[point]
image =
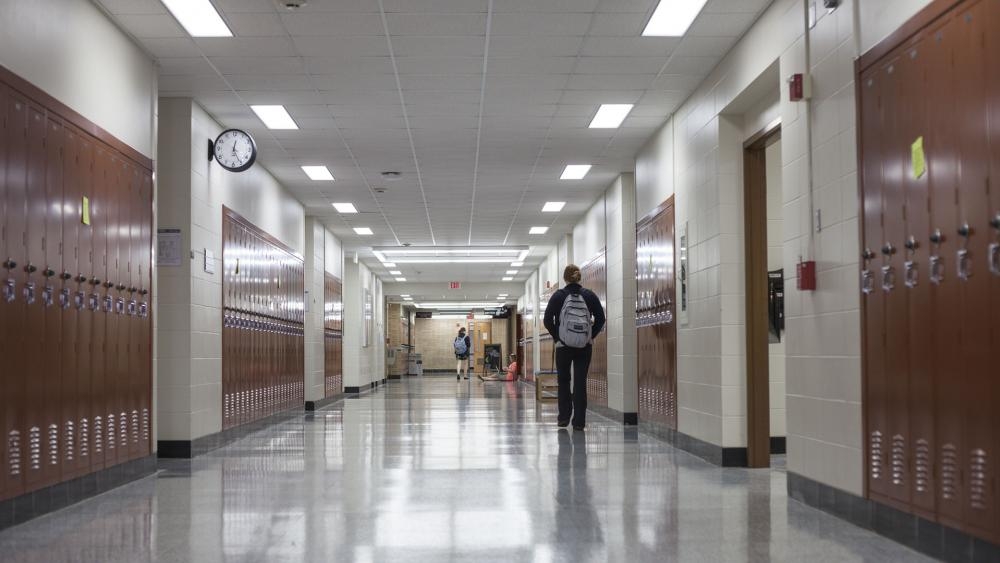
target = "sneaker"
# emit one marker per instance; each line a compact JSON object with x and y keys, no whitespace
{"x":562,"y":423}
{"x":458,"y":377}
{"x":578,"y":428}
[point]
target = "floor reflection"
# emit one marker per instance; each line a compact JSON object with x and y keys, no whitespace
{"x":431,"y":469}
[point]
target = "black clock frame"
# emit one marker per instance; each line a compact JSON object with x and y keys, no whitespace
{"x":253,"y":151}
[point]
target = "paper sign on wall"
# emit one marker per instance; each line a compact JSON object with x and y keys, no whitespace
{"x":917,"y":157}
{"x":168,"y":247}
{"x":85,"y":211}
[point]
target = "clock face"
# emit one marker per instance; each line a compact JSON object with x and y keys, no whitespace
{"x":235,"y":150}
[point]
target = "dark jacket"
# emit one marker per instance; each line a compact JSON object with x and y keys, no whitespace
{"x":552,"y":310}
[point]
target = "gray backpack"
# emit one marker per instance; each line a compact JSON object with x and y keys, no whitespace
{"x":574,"y":322}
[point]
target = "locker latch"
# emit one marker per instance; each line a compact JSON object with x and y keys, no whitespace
{"x":64,"y":298}
{"x":962,"y":262}
{"x":120,"y":306}
{"x":888,"y":271}
{"x":78,"y":300}
{"x":993,"y":254}
{"x":911,"y":273}
{"x":867,"y":276}
{"x":47,"y":293}
{"x":107,"y":304}
{"x":132,"y":308}
{"x":29,"y":293}
{"x":94,"y":302}
{"x":936,"y":263}
{"x":143,"y":310}
{"x":9,"y":291}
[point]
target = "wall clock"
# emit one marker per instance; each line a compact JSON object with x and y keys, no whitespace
{"x":234,"y":149}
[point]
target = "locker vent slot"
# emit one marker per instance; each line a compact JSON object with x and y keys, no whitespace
{"x":70,"y":440}
{"x":949,"y":472}
{"x":35,"y":447}
{"x":145,"y":425}
{"x":978,"y":484}
{"x":123,"y":430}
{"x":84,"y":437}
{"x":98,"y":435}
{"x":135,"y":426}
{"x":111,"y":431}
{"x":898,"y":459}
{"x":53,"y":444}
{"x":14,"y":452}
{"x":876,"y":455}
{"x":922,"y":466}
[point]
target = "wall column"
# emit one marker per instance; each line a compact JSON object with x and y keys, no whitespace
{"x":623,"y":385}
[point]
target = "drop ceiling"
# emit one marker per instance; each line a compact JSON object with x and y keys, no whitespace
{"x":479,"y":104}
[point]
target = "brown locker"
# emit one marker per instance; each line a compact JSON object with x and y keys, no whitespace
{"x":98,"y":307}
{"x":973,"y":236}
{"x":53,"y":396}
{"x":35,"y":423}
{"x":873,"y":314}
{"x":128,"y":353}
{"x":992,"y":229}
{"x":912,"y":69}
{"x":67,"y":286}
{"x":112,"y":335}
{"x":595,"y":279}
{"x":145,"y":314}
{"x":85,"y":169}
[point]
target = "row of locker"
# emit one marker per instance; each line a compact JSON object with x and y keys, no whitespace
{"x":75,"y":327}
{"x":263,"y":342}
{"x":595,"y":278}
{"x":656,"y":332}
{"x":930,"y":278}
{"x":333,"y":335}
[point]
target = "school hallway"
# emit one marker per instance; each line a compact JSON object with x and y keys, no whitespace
{"x":430,"y":469}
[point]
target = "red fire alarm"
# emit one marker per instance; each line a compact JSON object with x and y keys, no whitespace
{"x":799,"y":87}
{"x":806,"y":276}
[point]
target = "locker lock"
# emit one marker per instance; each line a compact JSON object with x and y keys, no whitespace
{"x":9,"y":264}
{"x":911,"y":243}
{"x":133,"y":289}
{"x":48,"y":272}
{"x":868,"y":254}
{"x":120,"y":287}
{"x":109,"y":284}
{"x":80,"y":278}
{"x":65,"y":276}
{"x":30,"y":268}
{"x":888,"y":249}
{"x":937,"y":237}
{"x":95,"y":281}
{"x":143,"y":291}
{"x":965,"y":230}
{"x":995,"y":223}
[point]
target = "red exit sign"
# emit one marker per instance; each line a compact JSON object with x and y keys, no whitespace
{"x":454,"y":285}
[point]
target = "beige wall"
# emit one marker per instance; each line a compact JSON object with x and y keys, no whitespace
{"x":433,"y":339}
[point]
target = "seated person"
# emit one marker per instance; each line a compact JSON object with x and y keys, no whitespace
{"x":511,"y":374}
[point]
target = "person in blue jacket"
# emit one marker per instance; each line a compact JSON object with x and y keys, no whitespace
{"x":574,"y":317}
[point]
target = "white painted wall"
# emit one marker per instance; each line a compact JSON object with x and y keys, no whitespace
{"x":334,"y":255}
{"x":879,"y":18}
{"x":590,"y":234}
{"x":194,"y":193}
{"x":775,"y":254}
{"x":362,"y":365}
{"x":315,"y":353}
{"x":623,"y":388}
{"x":72,"y":51}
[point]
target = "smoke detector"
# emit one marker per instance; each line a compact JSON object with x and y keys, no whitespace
{"x":291,"y":4}
{"x":391,"y":176}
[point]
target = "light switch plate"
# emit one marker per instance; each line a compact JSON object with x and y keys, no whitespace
{"x":209,"y":261}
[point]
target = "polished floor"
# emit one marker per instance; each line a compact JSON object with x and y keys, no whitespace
{"x":436,"y":470}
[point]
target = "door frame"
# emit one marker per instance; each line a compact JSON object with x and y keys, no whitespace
{"x":758,"y":380}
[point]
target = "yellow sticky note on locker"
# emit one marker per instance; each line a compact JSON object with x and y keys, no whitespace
{"x":85,"y":211}
{"x":917,"y":157}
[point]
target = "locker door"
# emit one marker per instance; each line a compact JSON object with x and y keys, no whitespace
{"x":34,"y":329}
{"x":99,"y":380}
{"x":54,"y":395}
{"x":974,"y":237}
{"x":11,"y":299}
{"x":877,"y":439}
{"x":911,"y":70}
{"x":84,"y":166}
{"x":6,"y":419}
{"x":227,"y":270}
{"x":113,"y":402}
{"x":69,"y":364}
{"x":128,"y":318}
{"x":145,"y":313}
{"x":993,"y":230}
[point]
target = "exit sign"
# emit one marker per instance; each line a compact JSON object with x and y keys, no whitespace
{"x":454,"y":285}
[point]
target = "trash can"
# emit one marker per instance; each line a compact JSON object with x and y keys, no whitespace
{"x":415,"y":364}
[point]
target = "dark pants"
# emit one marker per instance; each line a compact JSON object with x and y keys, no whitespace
{"x":575,"y":361}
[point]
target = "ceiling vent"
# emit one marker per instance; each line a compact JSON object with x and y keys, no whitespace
{"x":391,"y":176}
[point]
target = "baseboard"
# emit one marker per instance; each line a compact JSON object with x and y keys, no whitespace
{"x":360,"y":389}
{"x":778,"y":445}
{"x":186,"y":449}
{"x":49,"y":499}
{"x":712,"y":453}
{"x":625,"y":418}
{"x":312,"y":406}
{"x":913,"y":531}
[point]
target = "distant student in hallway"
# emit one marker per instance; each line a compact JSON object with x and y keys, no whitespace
{"x":574,"y":317}
{"x":462,"y":346}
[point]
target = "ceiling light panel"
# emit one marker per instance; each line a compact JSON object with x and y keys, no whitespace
{"x":345,"y":207}
{"x":610,"y":116}
{"x":363,"y":231}
{"x":199,"y":18}
{"x":538,"y":230}
{"x":511,"y":272}
{"x":575,"y":172}
{"x":507,"y":279}
{"x":395,"y":273}
{"x":275,"y":117}
{"x":318,"y":173}
{"x":553,"y":206}
{"x":401,"y":279}
{"x":672,"y":18}
{"x":517,"y":264}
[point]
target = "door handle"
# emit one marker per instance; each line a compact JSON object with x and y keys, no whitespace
{"x":963,"y":264}
{"x":911,"y":274}
{"x":888,"y":278}
{"x":993,"y":255}
{"x":9,"y":291}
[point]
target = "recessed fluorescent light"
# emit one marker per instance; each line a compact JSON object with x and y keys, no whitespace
{"x":507,"y":279}
{"x":318,"y":173}
{"x":511,"y":272}
{"x":363,"y":231}
{"x":553,"y":206}
{"x":400,"y":279}
{"x":199,"y":18}
{"x":538,"y":230}
{"x":388,"y":264}
{"x":517,"y":264}
{"x":345,"y":207}
{"x":405,"y":295}
{"x":396,"y":273}
{"x":672,"y":18}
{"x":275,"y":117}
{"x":575,"y":172}
{"x":610,"y":116}
{"x":407,"y":299}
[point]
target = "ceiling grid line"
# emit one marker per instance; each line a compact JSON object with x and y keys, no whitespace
{"x":406,"y":118}
{"x":482,"y":103}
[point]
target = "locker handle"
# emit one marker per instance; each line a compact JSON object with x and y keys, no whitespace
{"x":994,"y":258}
{"x":963,"y":264}
{"x":65,"y":276}
{"x":48,"y":272}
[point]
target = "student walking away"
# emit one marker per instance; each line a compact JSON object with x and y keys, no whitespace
{"x":574,"y":317}
{"x":462,"y":346}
